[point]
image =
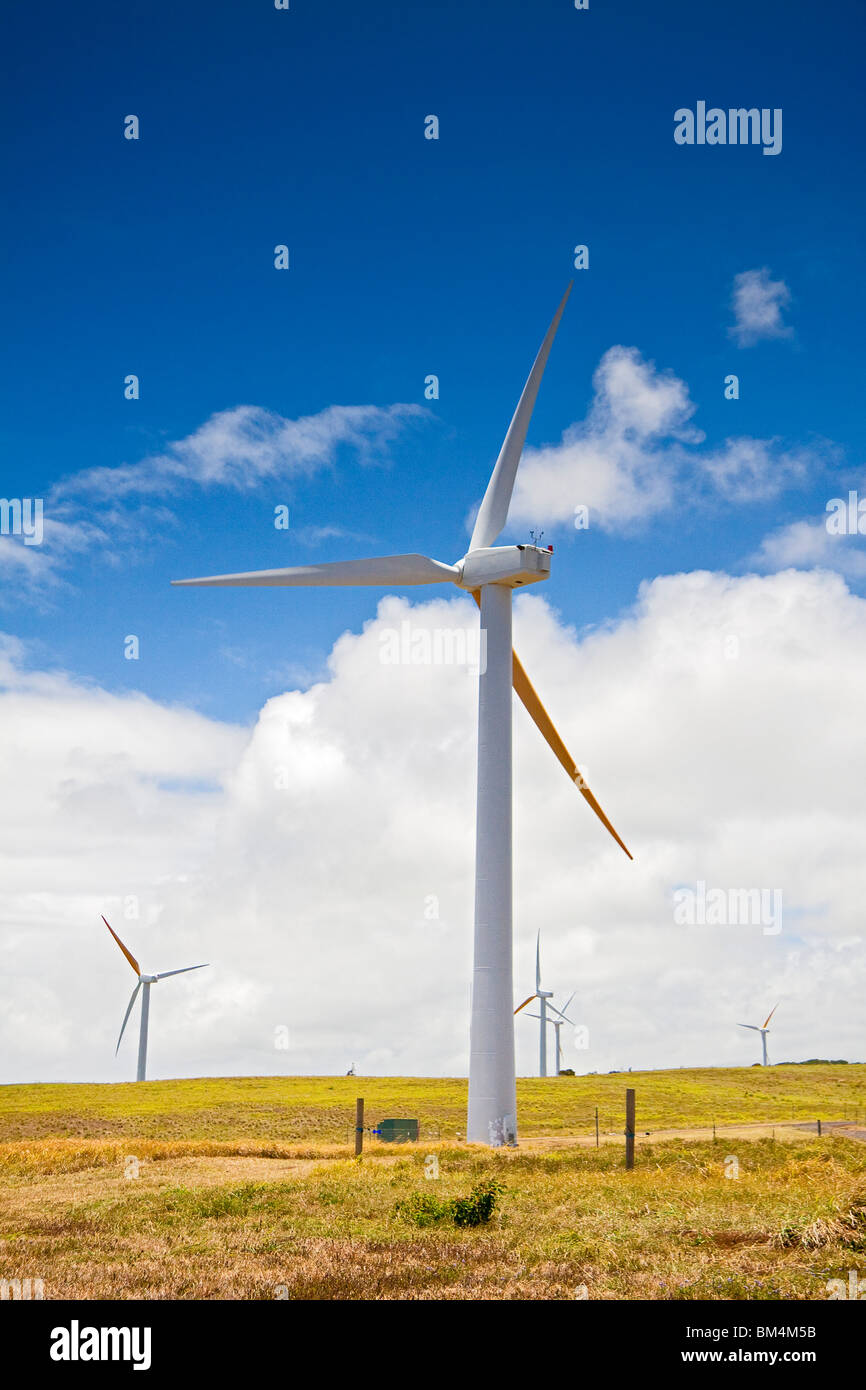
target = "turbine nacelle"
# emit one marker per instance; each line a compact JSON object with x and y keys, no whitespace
{"x":511,"y":565}
{"x":148,"y":979}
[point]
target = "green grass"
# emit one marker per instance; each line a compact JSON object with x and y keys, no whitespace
{"x":244,"y":1188}
{"x":567,"y":1223}
{"x":322,"y":1108}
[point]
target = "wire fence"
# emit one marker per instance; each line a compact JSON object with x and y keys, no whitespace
{"x":607,"y":1126}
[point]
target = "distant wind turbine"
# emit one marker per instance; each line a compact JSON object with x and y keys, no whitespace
{"x":144,"y":984}
{"x":542,"y":995}
{"x":763,"y":1030}
{"x":490,"y":573}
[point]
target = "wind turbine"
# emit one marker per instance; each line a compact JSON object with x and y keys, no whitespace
{"x":557,"y":1026}
{"x":763,"y":1030}
{"x":489,"y":573}
{"x":144,"y":984}
{"x":542,"y":995}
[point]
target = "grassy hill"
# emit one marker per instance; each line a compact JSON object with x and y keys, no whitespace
{"x":244,"y":1188}
{"x":303,"y":1108}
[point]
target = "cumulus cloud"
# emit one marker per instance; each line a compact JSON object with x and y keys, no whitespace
{"x":323,"y":860}
{"x":612,"y":462}
{"x":637,"y":447}
{"x":758,"y":303}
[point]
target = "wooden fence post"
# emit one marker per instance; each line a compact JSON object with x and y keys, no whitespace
{"x":359,"y":1126}
{"x":629,"y":1129}
{"x":596,"y":1126}
{"x":819,"y":1129}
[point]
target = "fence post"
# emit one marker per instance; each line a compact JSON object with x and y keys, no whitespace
{"x":629,"y":1129}
{"x":596,"y":1126}
{"x":819,"y":1129}
{"x":359,"y":1126}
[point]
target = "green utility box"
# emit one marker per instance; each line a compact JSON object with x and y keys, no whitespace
{"x":398,"y":1131}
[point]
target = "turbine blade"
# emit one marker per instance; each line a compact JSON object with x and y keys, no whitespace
{"x":126,"y":1015}
{"x":164,"y":974}
{"x":770,"y":1014}
{"x":754,"y":1027}
{"x":527,"y":694}
{"x":379,"y":569}
{"x":493,"y":511}
{"x":566,"y":1004}
{"x":129,"y":956}
{"x":538,"y":961}
{"x":555,"y":1010}
{"x":524,"y":1004}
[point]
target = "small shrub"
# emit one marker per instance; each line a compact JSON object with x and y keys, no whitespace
{"x":475,"y":1210}
{"x":478,"y":1207}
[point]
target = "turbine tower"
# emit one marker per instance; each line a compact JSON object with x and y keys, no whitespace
{"x":542,"y":995}
{"x":557,"y":1027}
{"x":763,"y":1030}
{"x":490,"y":573}
{"x":144,"y":984}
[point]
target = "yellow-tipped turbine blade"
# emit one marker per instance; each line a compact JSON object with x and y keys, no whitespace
{"x":526,"y":692}
{"x":524,"y":1004}
{"x":770,"y":1014}
{"x":129,"y":956}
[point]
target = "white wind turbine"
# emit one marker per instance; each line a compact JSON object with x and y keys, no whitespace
{"x":144,"y":984}
{"x":542,"y":995}
{"x":557,"y":1028}
{"x":763,"y":1030}
{"x":489,"y":573}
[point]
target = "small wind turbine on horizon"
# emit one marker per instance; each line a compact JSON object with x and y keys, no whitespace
{"x":763,"y":1030}
{"x":543,"y":995}
{"x":144,"y":984}
{"x":490,"y":574}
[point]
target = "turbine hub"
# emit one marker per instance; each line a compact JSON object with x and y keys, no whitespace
{"x":148,"y":979}
{"x":514,"y":566}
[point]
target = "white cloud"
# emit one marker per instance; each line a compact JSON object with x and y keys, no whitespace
{"x":747,"y":470}
{"x":758,"y":303}
{"x":245,"y":446}
{"x":98,"y":510}
{"x":34,"y":569}
{"x":807,"y":544}
{"x":637,"y":448}
{"x":301,"y":857}
{"x":614,"y":462}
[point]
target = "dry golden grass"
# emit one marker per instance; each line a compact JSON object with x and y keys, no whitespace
{"x":250,"y":1221}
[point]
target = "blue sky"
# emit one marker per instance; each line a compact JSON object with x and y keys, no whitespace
{"x":408,"y":257}
{"x":259,"y":789}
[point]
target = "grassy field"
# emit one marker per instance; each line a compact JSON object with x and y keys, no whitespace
{"x":321,"y":1108}
{"x":244,"y":1189}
